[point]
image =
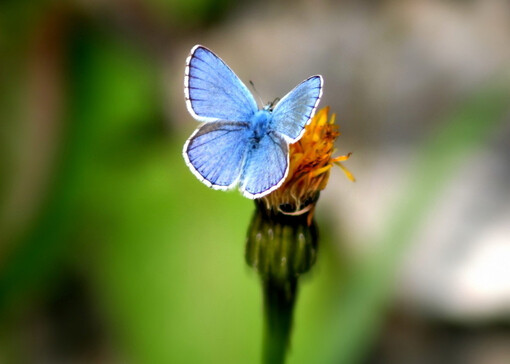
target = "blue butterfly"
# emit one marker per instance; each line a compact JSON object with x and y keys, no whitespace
{"x":238,"y":144}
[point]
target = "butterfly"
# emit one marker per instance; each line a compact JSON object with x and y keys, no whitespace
{"x":240,"y":144}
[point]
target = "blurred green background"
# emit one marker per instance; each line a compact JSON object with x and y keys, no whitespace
{"x":111,"y":250}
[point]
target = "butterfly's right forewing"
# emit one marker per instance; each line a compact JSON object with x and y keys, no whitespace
{"x":295,"y":110}
{"x":213,"y":91}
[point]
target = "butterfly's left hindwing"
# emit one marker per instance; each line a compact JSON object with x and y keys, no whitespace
{"x":213,"y":91}
{"x":216,"y":151}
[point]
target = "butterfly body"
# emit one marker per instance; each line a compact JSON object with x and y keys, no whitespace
{"x":240,"y":144}
{"x":260,"y":124}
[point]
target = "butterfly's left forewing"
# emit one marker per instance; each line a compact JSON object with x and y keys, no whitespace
{"x":295,"y":110}
{"x":213,"y":91}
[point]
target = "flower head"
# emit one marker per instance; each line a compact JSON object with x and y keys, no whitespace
{"x":310,"y":164}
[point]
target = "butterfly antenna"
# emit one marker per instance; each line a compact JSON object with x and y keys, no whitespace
{"x":275,"y":101}
{"x":256,"y":92}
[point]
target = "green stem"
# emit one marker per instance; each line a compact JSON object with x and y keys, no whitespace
{"x":279,"y":300}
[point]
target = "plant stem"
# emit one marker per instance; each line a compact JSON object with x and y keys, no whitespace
{"x":279,"y":300}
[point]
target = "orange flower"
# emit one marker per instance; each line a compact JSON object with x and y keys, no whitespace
{"x":310,"y":164}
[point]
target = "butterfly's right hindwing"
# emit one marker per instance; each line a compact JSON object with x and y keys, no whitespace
{"x":215,"y":153}
{"x":266,"y":167}
{"x":213,"y":91}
